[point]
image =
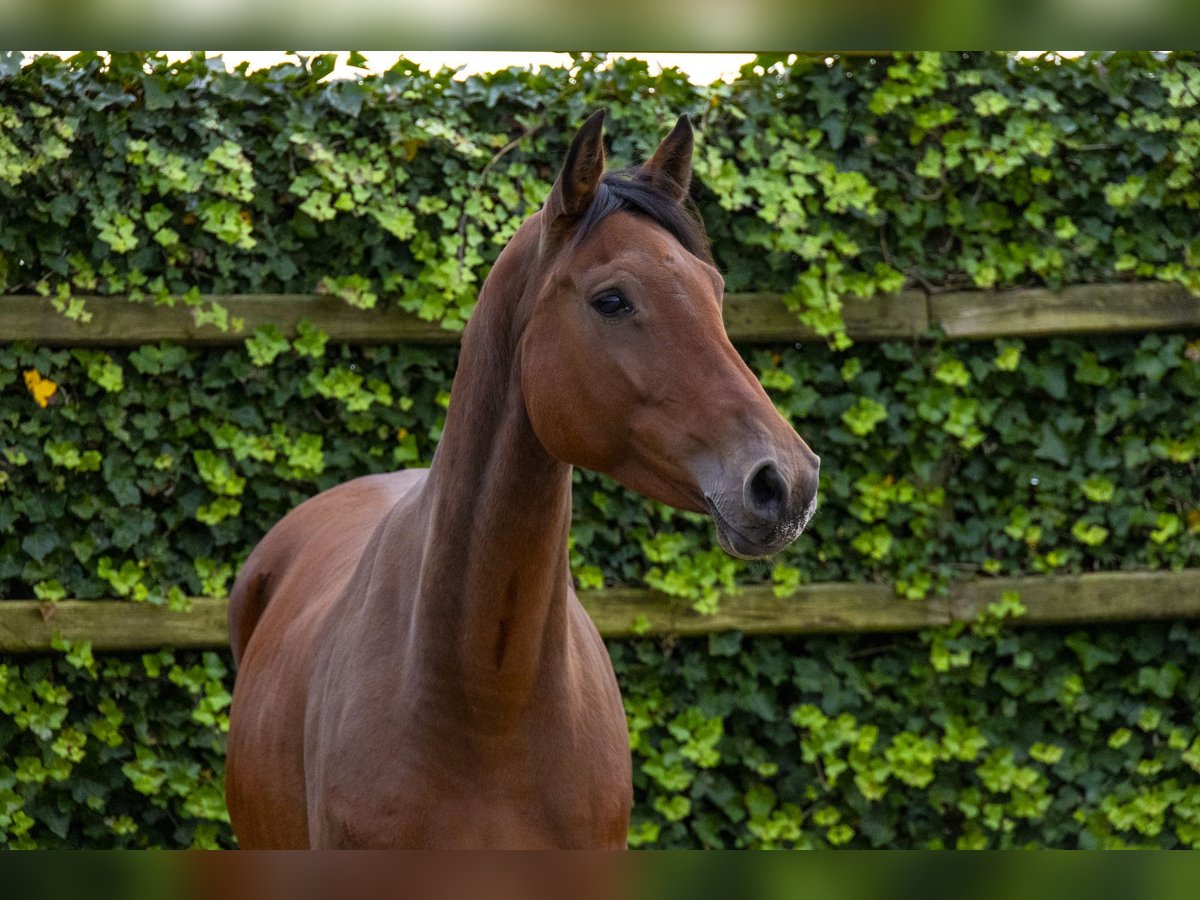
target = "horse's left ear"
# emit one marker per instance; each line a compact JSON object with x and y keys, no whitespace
{"x":670,"y":168}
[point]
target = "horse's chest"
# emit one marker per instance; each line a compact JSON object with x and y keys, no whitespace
{"x":556,"y":776}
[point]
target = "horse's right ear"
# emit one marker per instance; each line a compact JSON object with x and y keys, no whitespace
{"x":580,"y":177}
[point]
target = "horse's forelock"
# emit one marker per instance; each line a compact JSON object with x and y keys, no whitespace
{"x":623,"y":190}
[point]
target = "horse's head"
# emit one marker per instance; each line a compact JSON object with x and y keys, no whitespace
{"x":624,"y":362}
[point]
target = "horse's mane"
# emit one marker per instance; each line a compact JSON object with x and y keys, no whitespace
{"x":622,"y":189}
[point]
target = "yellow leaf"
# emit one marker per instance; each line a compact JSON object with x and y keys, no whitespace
{"x":41,"y":388}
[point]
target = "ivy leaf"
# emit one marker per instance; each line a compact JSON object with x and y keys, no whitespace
{"x":1052,"y":446}
{"x":322,"y":64}
{"x":10,"y":62}
{"x":265,"y":345}
{"x":347,"y":97}
{"x":156,"y":95}
{"x":41,"y":542}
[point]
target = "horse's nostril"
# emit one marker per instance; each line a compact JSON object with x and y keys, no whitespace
{"x":766,"y":491}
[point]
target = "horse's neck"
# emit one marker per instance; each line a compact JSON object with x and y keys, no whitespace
{"x":494,"y":577}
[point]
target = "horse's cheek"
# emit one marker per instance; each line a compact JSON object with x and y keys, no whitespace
{"x":564,"y":402}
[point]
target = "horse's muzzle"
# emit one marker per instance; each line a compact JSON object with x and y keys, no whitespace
{"x":771,"y":509}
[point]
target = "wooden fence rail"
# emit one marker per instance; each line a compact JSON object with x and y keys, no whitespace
{"x":31,"y":626}
{"x":749,"y":318}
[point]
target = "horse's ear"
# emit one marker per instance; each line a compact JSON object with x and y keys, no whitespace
{"x":580,"y":176}
{"x":670,"y":168}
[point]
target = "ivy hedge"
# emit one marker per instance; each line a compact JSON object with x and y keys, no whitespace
{"x":149,"y":473}
{"x":820,"y":179}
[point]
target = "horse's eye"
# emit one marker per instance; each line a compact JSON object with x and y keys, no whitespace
{"x":612,"y":305}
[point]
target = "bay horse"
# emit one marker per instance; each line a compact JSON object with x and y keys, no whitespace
{"x":414,"y":668}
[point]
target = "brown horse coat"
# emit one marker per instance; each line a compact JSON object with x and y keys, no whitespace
{"x":414,"y":667}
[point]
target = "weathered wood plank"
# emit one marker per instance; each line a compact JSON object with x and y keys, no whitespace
{"x":763,"y":318}
{"x":31,"y":625}
{"x":1094,"y":597}
{"x":836,"y":608}
{"x":750,"y":318}
{"x":1078,"y":309}
{"x":813,"y":609}
{"x":117,"y":322}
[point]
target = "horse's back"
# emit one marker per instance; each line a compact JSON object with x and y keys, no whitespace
{"x":287,"y":587}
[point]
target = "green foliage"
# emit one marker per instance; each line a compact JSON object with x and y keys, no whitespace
{"x":974,"y":468}
{"x":1026,"y":740}
{"x":148,"y":487}
{"x":983,"y":468}
{"x":1086,"y":738}
{"x":117,"y":752}
{"x":149,"y":473}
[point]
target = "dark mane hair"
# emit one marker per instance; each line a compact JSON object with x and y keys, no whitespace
{"x":621,"y":189}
